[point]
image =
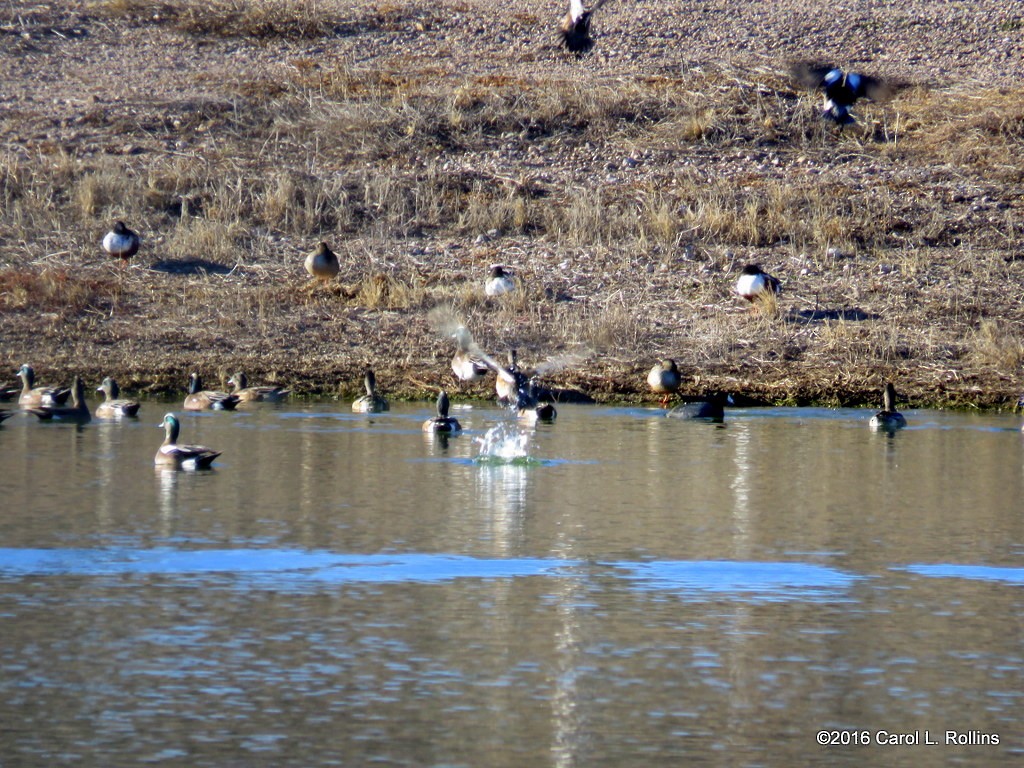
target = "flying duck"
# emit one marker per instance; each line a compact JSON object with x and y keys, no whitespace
{"x":888,"y":417}
{"x":170,"y":454}
{"x":575,"y":28}
{"x":841,"y":89}
{"x":322,"y":264}
{"x":442,"y":423}
{"x":113,"y":406}
{"x":121,"y":242}
{"x":754,"y":282}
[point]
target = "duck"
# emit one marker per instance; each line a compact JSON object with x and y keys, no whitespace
{"x":754,"y":283}
{"x":442,"y":423}
{"x":113,"y":406}
{"x":508,"y":388}
{"x":35,"y":397}
{"x":199,"y":399}
{"x":711,"y":409}
{"x":575,"y":27}
{"x":322,"y":264}
{"x":888,"y":417}
{"x":170,"y":454}
{"x":841,"y":89}
{"x":530,"y":409}
{"x":121,"y":242}
{"x":664,"y":379}
{"x":78,"y":411}
{"x":371,"y":402}
{"x":261,"y":394}
{"x":499,"y":282}
{"x":467,"y":365}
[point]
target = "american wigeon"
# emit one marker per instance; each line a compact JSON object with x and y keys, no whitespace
{"x":508,"y":388}
{"x":371,"y":402}
{"x":467,"y":363}
{"x":35,"y":397}
{"x":575,"y":27}
{"x":499,"y":282}
{"x":257,"y":394}
{"x":754,"y":283}
{"x":77,"y":412}
{"x":322,"y":264}
{"x":121,"y":242}
{"x":113,"y":405}
{"x":841,"y":89}
{"x":170,"y":454}
{"x":442,"y":423}
{"x":888,"y":417}
{"x":710,"y":409}
{"x":199,"y":399}
{"x":664,"y":379}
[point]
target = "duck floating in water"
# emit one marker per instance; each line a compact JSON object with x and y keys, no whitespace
{"x":77,"y":412}
{"x":499,"y":282}
{"x":575,"y":28}
{"x":664,"y":379}
{"x":710,"y":409}
{"x":121,"y":242}
{"x":35,"y":397}
{"x":888,"y":417}
{"x":841,"y":89}
{"x":257,"y":394}
{"x":442,"y":423}
{"x":322,"y":264}
{"x":371,"y":402}
{"x":754,"y":283}
{"x":171,"y":454}
{"x":113,"y":405}
{"x":199,"y":399}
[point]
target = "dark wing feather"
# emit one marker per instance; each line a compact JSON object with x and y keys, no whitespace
{"x":809,"y":74}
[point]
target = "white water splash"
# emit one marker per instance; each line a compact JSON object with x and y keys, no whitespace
{"x":504,"y":443}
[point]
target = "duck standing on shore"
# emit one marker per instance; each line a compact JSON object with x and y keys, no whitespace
{"x":754,"y":283}
{"x":322,"y":264}
{"x":121,"y":242}
{"x":664,"y":379}
{"x":499,"y":282}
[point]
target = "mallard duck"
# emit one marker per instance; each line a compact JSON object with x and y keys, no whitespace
{"x":170,"y":454}
{"x":35,"y":397}
{"x":575,"y":28}
{"x":842,"y":89}
{"x":371,"y":402}
{"x":322,"y":264}
{"x":888,"y":417}
{"x":113,"y":406}
{"x":710,"y":409}
{"x":499,"y":282}
{"x":246,"y":394}
{"x":78,"y":411}
{"x":199,"y":399}
{"x":754,"y":282}
{"x":664,"y":379}
{"x":442,"y":423}
{"x":121,"y":242}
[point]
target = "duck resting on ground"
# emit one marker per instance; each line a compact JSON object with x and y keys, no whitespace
{"x":121,"y":242}
{"x":499,"y":282}
{"x":754,"y":283}
{"x":664,"y":379}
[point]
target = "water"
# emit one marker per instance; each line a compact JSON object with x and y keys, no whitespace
{"x":614,"y":589}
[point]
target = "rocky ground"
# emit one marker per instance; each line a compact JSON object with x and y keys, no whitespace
{"x":425,"y":141}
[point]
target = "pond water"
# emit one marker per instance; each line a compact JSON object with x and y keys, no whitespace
{"x":342,"y":589}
